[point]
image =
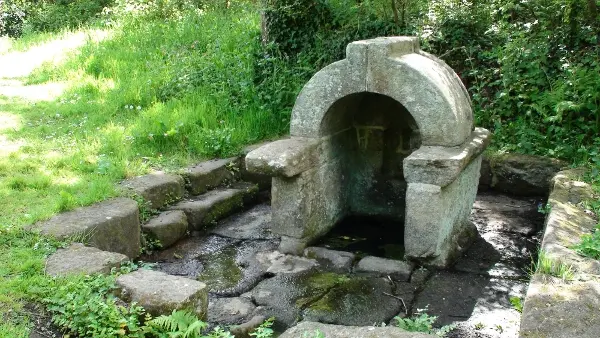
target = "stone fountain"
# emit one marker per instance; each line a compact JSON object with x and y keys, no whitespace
{"x":386,"y":132}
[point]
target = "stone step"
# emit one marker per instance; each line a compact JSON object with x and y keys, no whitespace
{"x":158,"y":188}
{"x":205,"y":209}
{"x":81,"y":259}
{"x":112,"y":225}
{"x":168,"y":227}
{"x":208,"y":175}
{"x":160,"y":294}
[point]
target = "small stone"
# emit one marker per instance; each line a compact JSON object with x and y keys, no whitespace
{"x":160,"y":294}
{"x":205,"y":209}
{"x":227,"y":311}
{"x":276,"y":262}
{"x":112,"y":225}
{"x":168,"y":227}
{"x":210,"y":174}
{"x":397,"y":270}
{"x":244,"y":330}
{"x":337,"y":261}
{"x":80,"y":259}
{"x":158,"y":188}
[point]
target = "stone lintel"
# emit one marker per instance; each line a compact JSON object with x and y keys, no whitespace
{"x":441,"y":165}
{"x":286,"y":158}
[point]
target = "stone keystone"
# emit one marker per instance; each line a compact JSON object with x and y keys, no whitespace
{"x":160,"y":293}
{"x":112,"y":225}
{"x":80,"y":259}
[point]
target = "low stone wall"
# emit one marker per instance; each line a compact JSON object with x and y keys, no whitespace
{"x":555,"y":307}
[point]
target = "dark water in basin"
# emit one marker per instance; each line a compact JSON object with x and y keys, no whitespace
{"x":367,"y":236}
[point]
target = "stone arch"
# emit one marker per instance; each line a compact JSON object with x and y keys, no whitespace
{"x":394,"y":67}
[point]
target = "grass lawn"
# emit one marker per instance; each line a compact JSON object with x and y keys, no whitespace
{"x":81,"y":110}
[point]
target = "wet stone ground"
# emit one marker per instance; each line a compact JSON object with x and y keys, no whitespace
{"x":236,"y":259}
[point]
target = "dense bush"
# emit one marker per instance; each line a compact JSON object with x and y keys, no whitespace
{"x":22,"y":16}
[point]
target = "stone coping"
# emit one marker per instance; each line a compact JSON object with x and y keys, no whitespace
{"x":555,"y":307}
{"x":441,"y":165}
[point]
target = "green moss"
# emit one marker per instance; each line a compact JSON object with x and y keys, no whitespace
{"x":336,"y":299}
{"x":221,"y":272}
{"x":317,"y":284}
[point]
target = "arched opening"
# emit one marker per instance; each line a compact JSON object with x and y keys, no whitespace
{"x":370,"y":135}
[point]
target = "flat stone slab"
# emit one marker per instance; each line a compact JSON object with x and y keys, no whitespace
{"x":356,"y":301}
{"x":160,"y":293}
{"x":502,"y":213}
{"x":168,"y":227}
{"x":252,"y":224}
{"x":331,"y":260}
{"x":310,"y":329}
{"x":206,"y":209}
{"x":112,"y":225}
{"x":210,"y":174}
{"x":442,"y":165}
{"x":397,"y":270}
{"x":228,"y":311}
{"x":158,"y":188}
{"x":80,"y":259}
{"x":561,"y":310}
{"x":287,"y":158}
{"x":566,"y":223}
{"x":286,"y":295}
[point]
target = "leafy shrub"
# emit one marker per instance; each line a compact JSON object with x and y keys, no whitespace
{"x":86,"y":306}
{"x":422,"y":322}
{"x":12,"y":16}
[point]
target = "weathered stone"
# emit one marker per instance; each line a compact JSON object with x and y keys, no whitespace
{"x":204,"y":210}
{"x":442,"y":165}
{"x":524,"y":175}
{"x":160,"y":294}
{"x":252,"y":224}
{"x":263,"y":181}
{"x":158,"y":188}
{"x":210,"y":174}
{"x":168,"y":227}
{"x":566,"y":223}
{"x":573,"y":307}
{"x":276,"y":263}
{"x":80,"y":259}
{"x":285,"y":295}
{"x":435,"y":239}
{"x":112,"y":225}
{"x":228,"y":311}
{"x":287,"y":158}
{"x":429,"y":89}
{"x":353,"y":129}
{"x":331,"y":260}
{"x":310,"y":329}
{"x":561,"y":310}
{"x":351,"y":302}
{"x":397,"y":270}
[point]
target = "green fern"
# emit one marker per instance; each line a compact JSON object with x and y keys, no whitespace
{"x":180,"y":324}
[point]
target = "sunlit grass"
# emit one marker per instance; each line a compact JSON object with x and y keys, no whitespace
{"x":139,"y":96}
